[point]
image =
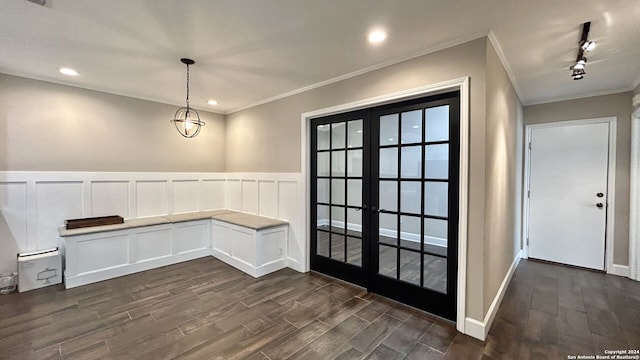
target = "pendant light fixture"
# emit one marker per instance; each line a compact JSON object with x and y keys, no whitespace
{"x":186,"y":119}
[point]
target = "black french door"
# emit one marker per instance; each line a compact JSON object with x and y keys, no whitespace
{"x":384,"y":195}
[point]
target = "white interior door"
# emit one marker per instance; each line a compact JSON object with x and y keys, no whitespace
{"x":568,"y":194}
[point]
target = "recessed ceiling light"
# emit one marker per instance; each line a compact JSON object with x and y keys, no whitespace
{"x":68,"y":71}
{"x":377,"y":36}
{"x":212,"y":102}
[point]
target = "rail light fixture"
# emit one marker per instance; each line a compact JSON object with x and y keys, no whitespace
{"x":578,"y":69}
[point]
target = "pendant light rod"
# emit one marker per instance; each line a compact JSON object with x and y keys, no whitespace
{"x":187,"y":62}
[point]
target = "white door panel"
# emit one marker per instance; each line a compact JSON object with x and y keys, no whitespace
{"x":568,"y":168}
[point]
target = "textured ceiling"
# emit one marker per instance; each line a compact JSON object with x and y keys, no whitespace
{"x":250,"y":51}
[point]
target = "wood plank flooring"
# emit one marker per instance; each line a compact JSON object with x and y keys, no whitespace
{"x":205,"y":309}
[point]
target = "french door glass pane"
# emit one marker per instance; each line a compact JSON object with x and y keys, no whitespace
{"x":387,"y":261}
{"x":338,"y":135}
{"x":337,"y":191}
{"x":355,"y":133}
{"x":389,"y":129}
{"x":322,"y":216}
{"x":354,"y":192}
{"x":337,"y":219}
{"x":388,"y":226}
{"x":436,"y":198}
{"x":322,"y":133}
{"x":435,"y":273}
{"x":338,"y":163}
{"x":410,"y":231}
{"x":411,"y":124}
{"x":437,"y":123}
{"x":354,"y":251}
{"x":410,"y":197}
{"x":410,"y":266}
{"x":323,"y":164}
{"x":323,"y":190}
{"x":388,"y":195}
{"x":411,"y":165}
{"x":389,"y":162}
{"x":436,"y":161}
{"x":354,"y":222}
{"x":322,"y":243}
{"x":354,"y":163}
{"x":435,"y":231}
{"x":337,"y":247}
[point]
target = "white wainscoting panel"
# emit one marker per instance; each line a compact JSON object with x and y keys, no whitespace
{"x":150,"y":244}
{"x":234,"y":194}
{"x":268,"y":200}
{"x":35,"y":204}
{"x":151,"y":198}
{"x":113,"y":252}
{"x":56,"y":202}
{"x":250,"y":196}
{"x":213,"y":194}
{"x":110,"y":198}
{"x":13,"y":204}
{"x":190,"y":236}
{"x":186,"y":196}
{"x":289,"y":208}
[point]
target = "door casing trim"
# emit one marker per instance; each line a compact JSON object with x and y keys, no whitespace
{"x":459,"y":84}
{"x":611,"y":182}
{"x":634,"y":222}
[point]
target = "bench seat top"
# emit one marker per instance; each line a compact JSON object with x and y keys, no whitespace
{"x":233,"y":217}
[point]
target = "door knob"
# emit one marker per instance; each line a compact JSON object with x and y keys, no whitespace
{"x":600,"y":195}
{"x":599,"y":205}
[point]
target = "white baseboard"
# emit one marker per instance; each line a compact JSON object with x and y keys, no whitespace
{"x":620,"y":270}
{"x":474,"y":328}
{"x":248,"y":268}
{"x":479,"y":330}
{"x":295,"y":265}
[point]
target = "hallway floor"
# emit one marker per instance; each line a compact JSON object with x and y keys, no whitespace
{"x":206,"y":309}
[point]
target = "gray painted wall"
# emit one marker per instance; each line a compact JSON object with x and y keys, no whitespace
{"x":618,"y":105}
{"x":503,"y":196}
{"x":50,"y":127}
{"x":636,"y":92}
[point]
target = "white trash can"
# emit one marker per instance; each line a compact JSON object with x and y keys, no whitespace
{"x":39,"y":269}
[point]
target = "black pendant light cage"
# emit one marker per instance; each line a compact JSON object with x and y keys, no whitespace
{"x":187,"y":120}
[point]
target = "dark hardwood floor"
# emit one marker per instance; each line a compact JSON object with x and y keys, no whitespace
{"x":205,"y":309}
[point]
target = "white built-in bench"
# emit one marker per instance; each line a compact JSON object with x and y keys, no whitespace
{"x":253,"y":244}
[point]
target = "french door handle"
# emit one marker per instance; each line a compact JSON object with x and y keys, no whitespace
{"x":364,"y":207}
{"x":600,"y":205}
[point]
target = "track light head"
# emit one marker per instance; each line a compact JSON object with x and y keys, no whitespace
{"x":580,"y":63}
{"x":578,"y":74}
{"x":587,"y":45}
